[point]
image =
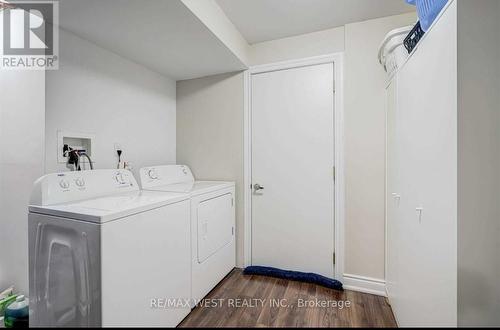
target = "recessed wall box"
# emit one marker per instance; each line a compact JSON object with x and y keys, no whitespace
{"x":74,"y":140}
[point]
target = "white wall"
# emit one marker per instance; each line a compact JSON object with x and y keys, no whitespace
{"x":98,"y":92}
{"x":479,"y":163}
{"x":210,"y":134}
{"x":22,"y":115}
{"x":219,"y":102}
{"x":305,"y":45}
{"x":365,"y":101}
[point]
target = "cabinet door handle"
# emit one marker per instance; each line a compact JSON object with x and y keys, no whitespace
{"x":419,"y":210}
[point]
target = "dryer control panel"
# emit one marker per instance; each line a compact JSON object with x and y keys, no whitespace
{"x":66,"y":187}
{"x":155,"y":176}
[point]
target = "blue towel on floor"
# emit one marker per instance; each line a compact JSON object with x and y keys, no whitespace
{"x":294,"y":276}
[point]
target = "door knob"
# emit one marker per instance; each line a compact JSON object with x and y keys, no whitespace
{"x":257,"y":187}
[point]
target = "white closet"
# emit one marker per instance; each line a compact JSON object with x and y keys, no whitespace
{"x":442,"y":117}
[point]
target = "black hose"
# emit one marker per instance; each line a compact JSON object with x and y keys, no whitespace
{"x":90,"y":160}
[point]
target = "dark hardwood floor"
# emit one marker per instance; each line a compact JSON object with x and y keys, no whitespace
{"x":258,"y":301}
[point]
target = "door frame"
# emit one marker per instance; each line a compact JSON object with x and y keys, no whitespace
{"x":339,"y":211}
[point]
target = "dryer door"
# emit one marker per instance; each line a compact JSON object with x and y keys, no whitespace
{"x":215,"y":225}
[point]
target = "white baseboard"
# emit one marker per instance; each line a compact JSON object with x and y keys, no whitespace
{"x":365,"y":284}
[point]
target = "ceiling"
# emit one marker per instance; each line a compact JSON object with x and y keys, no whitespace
{"x":263,"y":20}
{"x":162,"y":35}
{"x":167,"y":37}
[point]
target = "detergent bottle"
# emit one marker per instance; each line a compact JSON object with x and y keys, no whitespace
{"x":16,"y":314}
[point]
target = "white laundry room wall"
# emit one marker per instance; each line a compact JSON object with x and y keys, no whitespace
{"x":479,"y":159}
{"x":210,"y":134}
{"x":222,"y":107}
{"x":101,"y":93}
{"x":364,"y":119}
{"x":22,"y":124}
{"x":305,"y":45}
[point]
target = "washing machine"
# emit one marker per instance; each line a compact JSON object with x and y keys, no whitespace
{"x":213,"y":248}
{"x":104,"y":253}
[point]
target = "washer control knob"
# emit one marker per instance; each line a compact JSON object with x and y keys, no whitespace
{"x":121,"y":178}
{"x":152,"y":174}
{"x":64,"y":184}
{"x":80,"y":182}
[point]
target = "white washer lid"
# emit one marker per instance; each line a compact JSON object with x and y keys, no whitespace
{"x":112,"y":207}
{"x":194,"y":188}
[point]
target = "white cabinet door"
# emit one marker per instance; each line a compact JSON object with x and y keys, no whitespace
{"x":408,"y":188}
{"x":427,"y":178}
{"x":392,"y":194}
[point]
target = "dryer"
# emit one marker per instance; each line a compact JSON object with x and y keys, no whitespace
{"x":213,"y":248}
{"x":104,"y":253}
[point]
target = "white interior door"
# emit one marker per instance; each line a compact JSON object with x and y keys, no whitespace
{"x":293,"y":159}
